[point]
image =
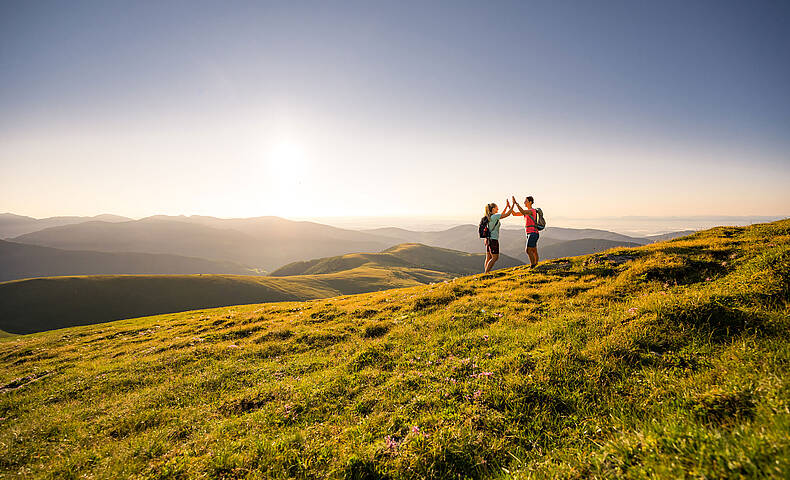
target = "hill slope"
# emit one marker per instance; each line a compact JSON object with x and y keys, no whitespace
{"x":404,"y":255}
{"x":264,"y":242}
{"x":19,"y":260}
{"x":665,"y":361}
{"x":584,"y":246}
{"x":39,"y":304}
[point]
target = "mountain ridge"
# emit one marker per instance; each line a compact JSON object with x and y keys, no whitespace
{"x":22,"y":260}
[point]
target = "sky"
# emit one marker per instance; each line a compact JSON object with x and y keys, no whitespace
{"x":395,"y":109}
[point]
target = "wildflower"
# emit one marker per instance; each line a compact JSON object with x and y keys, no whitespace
{"x":415,"y":429}
{"x":632,"y":310}
{"x":707,"y":279}
{"x":485,"y":337}
{"x":486,"y":374}
{"x":477,"y":394}
{"x":390,"y":444}
{"x":723,"y":264}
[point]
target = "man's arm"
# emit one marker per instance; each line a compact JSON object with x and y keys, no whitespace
{"x":508,"y":210}
{"x":523,"y":212}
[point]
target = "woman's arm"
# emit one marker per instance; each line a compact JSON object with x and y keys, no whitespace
{"x":508,"y":210}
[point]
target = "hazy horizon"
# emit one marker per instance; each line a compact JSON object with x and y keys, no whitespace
{"x":407,"y":109}
{"x":627,"y":225}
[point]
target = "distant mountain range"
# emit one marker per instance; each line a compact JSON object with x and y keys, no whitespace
{"x":37,"y":304}
{"x":14,"y":225}
{"x":18,"y":260}
{"x":262,"y":242}
{"x":554,"y":242}
{"x":243,"y":246}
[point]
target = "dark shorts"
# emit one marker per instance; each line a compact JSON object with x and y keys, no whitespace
{"x":492,"y":246}
{"x":532,"y":240}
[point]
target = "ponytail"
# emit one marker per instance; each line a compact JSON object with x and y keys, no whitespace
{"x":489,"y":208}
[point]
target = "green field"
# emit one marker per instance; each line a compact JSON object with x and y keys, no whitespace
{"x":406,"y":255}
{"x":38,"y":304}
{"x":664,"y":361}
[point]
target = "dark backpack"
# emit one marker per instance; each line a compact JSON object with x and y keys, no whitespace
{"x":482,"y":229}
{"x":540,"y":222}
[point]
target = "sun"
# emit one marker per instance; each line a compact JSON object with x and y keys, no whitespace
{"x":286,"y":161}
{"x":287,"y":170}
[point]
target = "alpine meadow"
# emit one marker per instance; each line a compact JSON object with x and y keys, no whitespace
{"x":394,"y":240}
{"x":663,"y":361}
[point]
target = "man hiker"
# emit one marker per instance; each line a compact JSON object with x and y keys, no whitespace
{"x":533,"y":222}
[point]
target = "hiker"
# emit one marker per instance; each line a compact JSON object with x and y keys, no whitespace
{"x":489,"y":231}
{"x":532,"y":218}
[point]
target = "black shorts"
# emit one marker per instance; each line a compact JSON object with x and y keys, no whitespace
{"x":532,"y":239}
{"x":492,"y":246}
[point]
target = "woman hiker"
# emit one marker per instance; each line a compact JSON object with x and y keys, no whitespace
{"x":531,"y":229}
{"x":492,"y":242}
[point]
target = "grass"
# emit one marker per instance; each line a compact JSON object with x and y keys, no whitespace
{"x":39,"y":304}
{"x":665,"y":361}
{"x":412,"y":255}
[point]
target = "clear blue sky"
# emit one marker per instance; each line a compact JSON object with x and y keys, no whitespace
{"x":394,"y":108}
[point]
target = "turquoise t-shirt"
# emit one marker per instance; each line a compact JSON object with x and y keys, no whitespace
{"x":493,"y":226}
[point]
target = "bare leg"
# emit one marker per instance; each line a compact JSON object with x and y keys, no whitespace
{"x":532,"y":252}
{"x":491,"y":262}
{"x":485,"y":264}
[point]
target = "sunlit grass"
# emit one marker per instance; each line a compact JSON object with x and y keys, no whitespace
{"x":665,"y":361}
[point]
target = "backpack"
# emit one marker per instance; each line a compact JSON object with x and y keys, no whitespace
{"x":540,"y":223}
{"x":482,"y":229}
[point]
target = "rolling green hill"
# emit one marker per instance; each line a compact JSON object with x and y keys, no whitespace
{"x":39,"y":304}
{"x":664,"y":361}
{"x":18,"y":260}
{"x":584,"y":246}
{"x":404,"y":255}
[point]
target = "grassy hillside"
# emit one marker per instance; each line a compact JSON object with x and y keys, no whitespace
{"x":18,"y":260}
{"x":39,"y":304}
{"x":665,"y":361}
{"x":572,"y":248}
{"x":405,"y":255}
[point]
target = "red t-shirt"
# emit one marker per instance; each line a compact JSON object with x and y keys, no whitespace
{"x":530,"y":221}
